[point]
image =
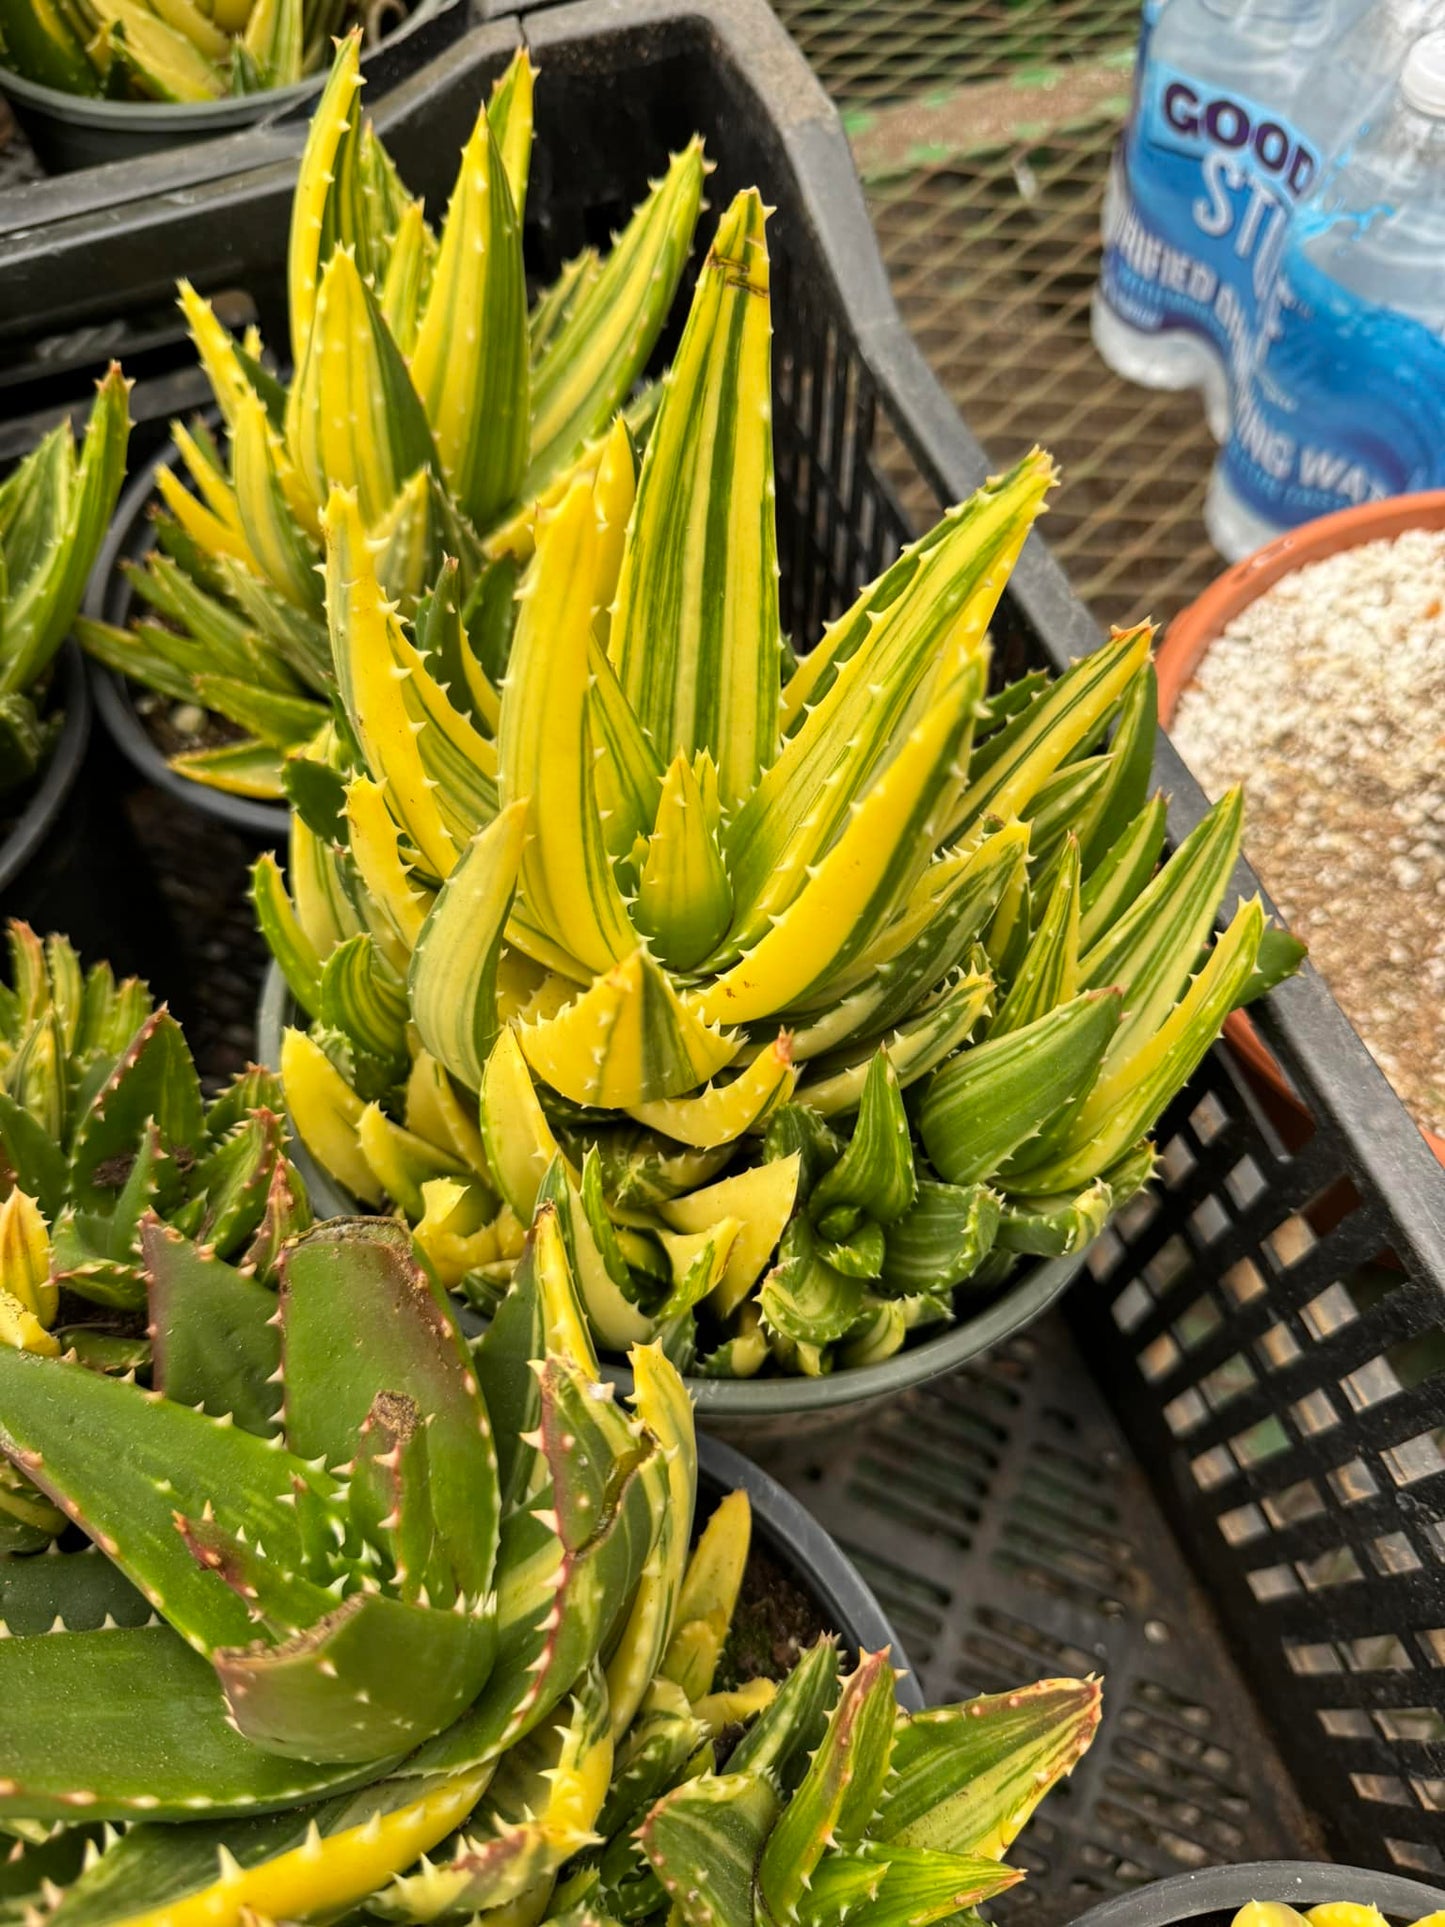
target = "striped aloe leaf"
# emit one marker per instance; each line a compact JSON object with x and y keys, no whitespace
{"x":418,"y":386}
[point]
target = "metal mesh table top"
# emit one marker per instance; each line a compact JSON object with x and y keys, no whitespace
{"x":982,"y":131}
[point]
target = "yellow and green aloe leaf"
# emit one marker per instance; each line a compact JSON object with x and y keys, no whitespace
{"x":942,"y":1239}
{"x":452,"y":982}
{"x":709,"y":1833}
{"x":723,"y":1112}
{"x":293,"y":1865}
{"x":993,"y":1098}
{"x":353,"y":417}
{"x":875,"y":1174}
{"x":162,"y":62}
{"x":660,"y":1400}
{"x":628,"y":1040}
{"x":857,"y":886}
{"x":966,"y":1778}
{"x":1121,"y":873}
{"x":470,"y":363}
{"x":695,"y":635}
{"x":1152,"y":949}
{"x":953,"y":902}
{"x":587,"y":364}
{"x":326,"y":1112}
{"x":326,"y":177}
{"x":545,"y":743}
{"x":509,"y":112}
{"x":887,"y":658}
{"x":1069,"y":714}
{"x":803,"y":1298}
{"x":287,"y":941}
{"x":375,"y":850}
{"x":283,"y":551}
{"x":273,"y":40}
{"x":519,"y":1142}
{"x":761,"y":1200}
{"x":362,"y":625}
{"x":1133,"y":1088}
{"x":626,"y":772}
{"x":834,"y":1084}
{"x":834,"y":1804}
{"x":45,"y":577}
{"x":684,"y":898}
{"x":245,"y":768}
{"x":408,"y":271}
{"x":1132,"y":752}
{"x":1049,"y":973}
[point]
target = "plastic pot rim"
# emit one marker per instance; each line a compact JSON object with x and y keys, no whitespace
{"x":67,"y":758}
{"x":1193,"y":632}
{"x":1184,"y":1897}
{"x":794,"y":1538}
{"x":201,"y":117}
{"x":107,"y":599}
{"x":750,"y":1399}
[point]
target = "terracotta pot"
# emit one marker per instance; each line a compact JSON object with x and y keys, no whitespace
{"x":1183,"y":649}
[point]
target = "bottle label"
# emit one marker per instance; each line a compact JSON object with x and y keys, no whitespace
{"x":1209,"y":178}
{"x":1346,"y":406}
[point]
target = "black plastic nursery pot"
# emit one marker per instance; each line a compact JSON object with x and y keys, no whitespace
{"x":756,"y":1410}
{"x":28,"y":856}
{"x":796,"y":1545}
{"x":110,"y":598}
{"x":1237,"y":1510}
{"x":1213,"y":1895}
{"x":72,"y":131}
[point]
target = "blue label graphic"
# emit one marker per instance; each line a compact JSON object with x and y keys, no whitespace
{"x":1347,"y":404}
{"x":1210,"y":178}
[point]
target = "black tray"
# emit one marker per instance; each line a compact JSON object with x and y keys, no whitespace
{"x":1284,"y":1408}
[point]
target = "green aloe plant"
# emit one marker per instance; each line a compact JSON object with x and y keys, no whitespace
{"x":54,"y":510}
{"x":421,"y":383}
{"x":102,"y":1124}
{"x":376,"y":1626}
{"x":836,"y":986}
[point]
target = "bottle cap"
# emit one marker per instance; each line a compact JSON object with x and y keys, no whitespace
{"x":1423,"y":82}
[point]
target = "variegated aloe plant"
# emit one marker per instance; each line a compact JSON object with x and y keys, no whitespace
{"x":836,"y":986}
{"x":374,"y":1628}
{"x":54,"y":510}
{"x":421,"y":383}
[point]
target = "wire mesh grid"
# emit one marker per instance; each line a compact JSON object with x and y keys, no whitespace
{"x":867,"y":54}
{"x":993,"y":258}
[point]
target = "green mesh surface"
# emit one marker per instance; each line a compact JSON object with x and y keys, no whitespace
{"x":983,"y":131}
{"x":867,"y":52}
{"x":993,"y":261}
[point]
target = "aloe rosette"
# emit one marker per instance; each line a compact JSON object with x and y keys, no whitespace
{"x":54,"y":509}
{"x":837,"y":984}
{"x":374,"y":1625}
{"x":420,"y":382}
{"x":102,"y":1122}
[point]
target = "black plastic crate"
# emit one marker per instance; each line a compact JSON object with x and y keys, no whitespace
{"x":1246,"y":1537}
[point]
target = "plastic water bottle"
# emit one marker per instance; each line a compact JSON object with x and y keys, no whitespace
{"x":1352,"y":82}
{"x":1211,"y":164}
{"x":1346,"y":399}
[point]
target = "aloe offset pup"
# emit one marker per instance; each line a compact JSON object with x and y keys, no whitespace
{"x":837,"y":984}
{"x":421,"y":382}
{"x":372,"y":1626}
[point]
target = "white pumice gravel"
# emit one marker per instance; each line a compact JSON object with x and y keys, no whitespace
{"x":1326,"y":699}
